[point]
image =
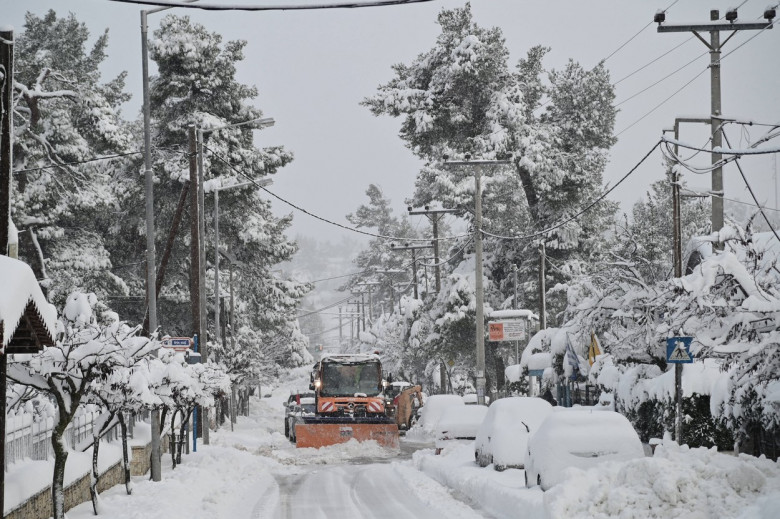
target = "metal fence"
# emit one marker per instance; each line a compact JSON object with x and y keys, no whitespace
{"x":27,"y":438}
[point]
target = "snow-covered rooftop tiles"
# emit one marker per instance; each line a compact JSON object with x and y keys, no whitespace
{"x":20,"y":288}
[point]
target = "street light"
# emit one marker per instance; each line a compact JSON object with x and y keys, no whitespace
{"x":232,"y":261}
{"x":261,"y":183}
{"x":261,"y":122}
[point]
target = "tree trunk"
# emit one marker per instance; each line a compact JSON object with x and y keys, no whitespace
{"x":93,"y":493}
{"x":58,"y":478}
{"x":530,"y":192}
{"x":182,"y":433}
{"x":173,"y":438}
{"x":125,"y":460}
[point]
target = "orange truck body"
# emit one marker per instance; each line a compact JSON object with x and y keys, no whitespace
{"x":349,"y":404}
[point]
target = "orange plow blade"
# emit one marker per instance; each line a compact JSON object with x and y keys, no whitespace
{"x":321,"y":435}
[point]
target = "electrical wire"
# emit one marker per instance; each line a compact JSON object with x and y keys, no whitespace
{"x":733,"y":200}
{"x":636,"y":34}
{"x":653,"y":61}
{"x":585,"y":209}
{"x":322,"y":219}
{"x":328,"y":307}
{"x":662,"y":79}
{"x":752,"y":194}
{"x":656,"y":107}
{"x":107,"y":157}
{"x":235,"y":7}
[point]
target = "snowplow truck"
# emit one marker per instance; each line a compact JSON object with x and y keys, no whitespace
{"x":349,"y":403}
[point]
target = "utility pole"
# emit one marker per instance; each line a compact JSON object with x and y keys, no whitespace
{"x":194,"y":238}
{"x":715,"y":46}
{"x":359,"y":313}
{"x":151,"y":262}
{"x":369,"y":284}
{"x":542,"y":288}
{"x":388,"y":276}
{"x":400,"y":288}
{"x":341,"y":335}
{"x":434,"y":215}
{"x":477,"y":166}
{"x":425,"y":270}
{"x":677,"y":255}
{"x":6,"y":163}
{"x":414,"y":249}
{"x":514,"y":307}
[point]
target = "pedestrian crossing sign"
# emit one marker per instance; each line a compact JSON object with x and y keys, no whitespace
{"x":678,"y":350}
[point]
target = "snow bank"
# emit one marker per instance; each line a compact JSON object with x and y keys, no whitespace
{"x":676,"y":482}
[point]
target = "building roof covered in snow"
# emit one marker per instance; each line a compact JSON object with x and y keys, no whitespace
{"x":27,"y":320}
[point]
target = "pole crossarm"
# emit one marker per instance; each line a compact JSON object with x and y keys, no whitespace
{"x":410,"y":247}
{"x":708,"y":27}
{"x":427,"y":211}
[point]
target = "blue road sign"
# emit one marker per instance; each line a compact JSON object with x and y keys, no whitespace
{"x":678,"y":350}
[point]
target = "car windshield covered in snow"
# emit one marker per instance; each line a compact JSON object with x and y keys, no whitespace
{"x":350,"y":378}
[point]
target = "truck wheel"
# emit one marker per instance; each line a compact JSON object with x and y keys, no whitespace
{"x":286,"y":429}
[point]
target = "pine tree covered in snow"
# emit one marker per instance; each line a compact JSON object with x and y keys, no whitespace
{"x":65,"y":114}
{"x":196,"y":85}
{"x":377,"y":216}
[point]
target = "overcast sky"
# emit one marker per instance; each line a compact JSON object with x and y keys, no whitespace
{"x":313,"y":68}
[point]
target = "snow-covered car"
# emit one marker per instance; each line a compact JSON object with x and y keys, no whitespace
{"x":306,"y":407}
{"x":579,"y":438}
{"x":434,"y":408}
{"x":471,"y":399}
{"x":459,"y":424}
{"x":290,"y":406}
{"x":502,"y":438}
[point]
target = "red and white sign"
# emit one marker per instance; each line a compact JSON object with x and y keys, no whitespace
{"x":506,"y":330}
{"x":180,"y":344}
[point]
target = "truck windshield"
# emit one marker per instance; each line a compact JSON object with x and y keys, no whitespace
{"x":348,"y":379}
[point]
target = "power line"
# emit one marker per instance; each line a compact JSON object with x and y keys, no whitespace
{"x":656,"y":107}
{"x":582,"y":211}
{"x":322,"y":219}
{"x":752,"y":194}
{"x":636,"y":34}
{"x":235,"y":7}
{"x":661,"y":80}
{"x":653,"y":61}
{"x":107,"y":157}
{"x":328,"y":307}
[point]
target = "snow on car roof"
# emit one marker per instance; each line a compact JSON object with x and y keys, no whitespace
{"x":461,"y":421}
{"x":348,"y":358}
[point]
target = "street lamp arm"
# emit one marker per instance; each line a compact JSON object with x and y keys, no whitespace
{"x":262,"y":122}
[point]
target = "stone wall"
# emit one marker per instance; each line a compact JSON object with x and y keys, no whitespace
{"x":39,"y":505}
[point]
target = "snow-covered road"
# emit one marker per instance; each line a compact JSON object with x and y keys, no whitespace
{"x":375,"y":490}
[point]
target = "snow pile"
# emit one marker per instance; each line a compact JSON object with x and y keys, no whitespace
{"x":500,"y":494}
{"x":676,"y":482}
